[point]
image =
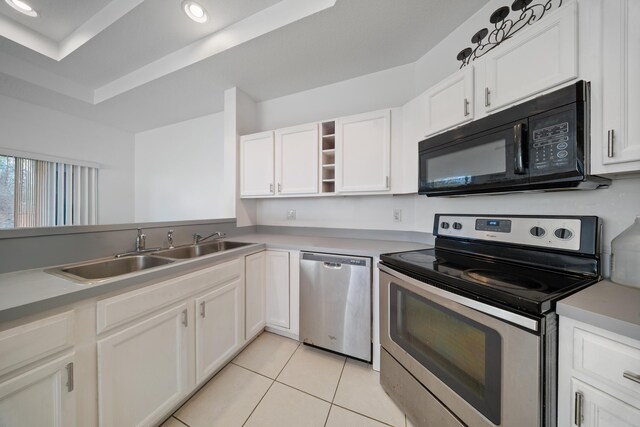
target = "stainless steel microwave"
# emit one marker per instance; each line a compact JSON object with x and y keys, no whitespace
{"x":541,"y":144}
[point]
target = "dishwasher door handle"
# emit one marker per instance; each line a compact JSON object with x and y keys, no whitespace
{"x":333,"y":265}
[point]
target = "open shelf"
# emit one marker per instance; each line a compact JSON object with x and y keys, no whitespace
{"x":328,"y":157}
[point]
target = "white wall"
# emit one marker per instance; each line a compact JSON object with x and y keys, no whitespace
{"x":27,"y":127}
{"x":179,"y":171}
{"x":617,"y":205}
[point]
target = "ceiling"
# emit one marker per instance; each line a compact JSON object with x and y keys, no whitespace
{"x":137,"y":65}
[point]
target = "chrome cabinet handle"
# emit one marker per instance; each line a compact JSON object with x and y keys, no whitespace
{"x":487,"y":92}
{"x":466,"y":107}
{"x":70,"y":381}
{"x":577,"y":414}
{"x":279,"y":187}
{"x":202,"y":309}
{"x":610,"y":139}
{"x":271,"y":188}
{"x":631,"y":376}
{"x":387,"y":181}
{"x":185,"y":318}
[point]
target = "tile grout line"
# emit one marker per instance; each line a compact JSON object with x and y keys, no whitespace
{"x":335,"y":391}
{"x":180,"y":421}
{"x":252,"y":371}
{"x":302,"y":391}
{"x":364,"y":415}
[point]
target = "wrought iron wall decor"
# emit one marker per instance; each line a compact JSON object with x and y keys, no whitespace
{"x":504,"y":27}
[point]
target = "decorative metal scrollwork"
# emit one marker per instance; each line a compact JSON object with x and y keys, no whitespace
{"x":504,"y":28}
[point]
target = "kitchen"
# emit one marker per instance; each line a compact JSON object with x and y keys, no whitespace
{"x":100,"y":101}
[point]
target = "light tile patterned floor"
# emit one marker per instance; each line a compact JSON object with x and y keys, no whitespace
{"x":276,"y":381}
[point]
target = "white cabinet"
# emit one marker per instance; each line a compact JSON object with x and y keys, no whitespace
{"x":277,"y":289}
{"x":598,"y":409}
{"x":296,"y":160}
{"x":363,"y":148}
{"x":450,"y":102}
{"x":538,"y":58}
{"x":619,"y":144}
{"x":255,"y":286}
{"x":219,"y":331}
{"x":42,"y":396}
{"x":598,"y":378}
{"x":257,"y":165}
{"x":143,"y":369}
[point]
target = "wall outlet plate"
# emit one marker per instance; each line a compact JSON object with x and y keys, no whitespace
{"x":291,"y":214}
{"x":397,"y":215}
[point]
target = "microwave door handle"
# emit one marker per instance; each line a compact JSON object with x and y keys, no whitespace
{"x":519,"y":136}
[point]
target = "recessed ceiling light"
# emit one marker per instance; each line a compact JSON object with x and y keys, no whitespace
{"x":22,"y":7}
{"x":193,"y":10}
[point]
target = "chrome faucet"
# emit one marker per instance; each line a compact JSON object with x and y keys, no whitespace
{"x":170,"y":238}
{"x":141,"y":241}
{"x":198,"y":238}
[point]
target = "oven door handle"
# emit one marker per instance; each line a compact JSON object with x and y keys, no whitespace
{"x":519,"y":140}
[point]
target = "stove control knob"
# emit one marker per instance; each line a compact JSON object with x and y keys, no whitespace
{"x":444,"y":225}
{"x":457,"y":226}
{"x":563,"y":233}
{"x":537,"y":231}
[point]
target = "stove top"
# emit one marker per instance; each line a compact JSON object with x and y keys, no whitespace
{"x":521,"y":287}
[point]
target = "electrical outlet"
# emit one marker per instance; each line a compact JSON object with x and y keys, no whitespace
{"x":397,"y":215}
{"x":291,"y":214}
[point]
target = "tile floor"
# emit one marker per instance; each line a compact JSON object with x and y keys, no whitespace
{"x":276,"y":381}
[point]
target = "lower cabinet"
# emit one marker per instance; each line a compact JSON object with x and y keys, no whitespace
{"x":42,"y":396}
{"x":277,"y":289}
{"x":219,"y":331}
{"x":255,"y":288}
{"x":143,"y":369}
{"x":598,"y":377}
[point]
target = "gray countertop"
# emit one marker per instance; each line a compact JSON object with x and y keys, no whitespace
{"x":606,"y":305}
{"x":28,"y":292}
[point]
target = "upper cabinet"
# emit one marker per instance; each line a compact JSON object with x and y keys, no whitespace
{"x":257,"y":165}
{"x":450,"y":102}
{"x":537,"y":59}
{"x":297,"y":160}
{"x":363,"y":152}
{"x":618,"y":146}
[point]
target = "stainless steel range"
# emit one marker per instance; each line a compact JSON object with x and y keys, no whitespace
{"x":468,"y":328}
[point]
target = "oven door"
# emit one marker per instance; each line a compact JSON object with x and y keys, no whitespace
{"x":485,"y":370}
{"x":492,"y":161}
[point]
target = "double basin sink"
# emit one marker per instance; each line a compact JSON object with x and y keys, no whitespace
{"x":95,"y":271}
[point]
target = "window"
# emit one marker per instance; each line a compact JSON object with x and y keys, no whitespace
{"x":37,"y":193}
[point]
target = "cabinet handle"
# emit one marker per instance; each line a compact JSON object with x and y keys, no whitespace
{"x":202,"y":309}
{"x":487,"y":92}
{"x":271,"y":188}
{"x":387,"y":181}
{"x":631,"y":376}
{"x":610,"y":139}
{"x":185,"y":318}
{"x":70,"y":381}
{"x":279,"y":187}
{"x":577,"y":415}
{"x":466,"y":107}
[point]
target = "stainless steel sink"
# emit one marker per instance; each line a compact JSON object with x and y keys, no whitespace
{"x":96,"y":271}
{"x":194,"y":251}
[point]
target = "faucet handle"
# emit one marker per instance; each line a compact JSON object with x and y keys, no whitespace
{"x":141,"y":241}
{"x":170,"y":238}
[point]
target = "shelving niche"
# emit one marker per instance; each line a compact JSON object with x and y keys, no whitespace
{"x":328,"y":157}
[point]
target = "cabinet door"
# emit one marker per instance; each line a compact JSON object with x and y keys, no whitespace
{"x":277,"y":288}
{"x":218,"y":327}
{"x":363,"y":146}
{"x":257,"y":165}
{"x":450,"y":102}
{"x":143,"y":369}
{"x":42,"y":396}
{"x":297,"y":160}
{"x":621,"y":95}
{"x":538,"y":58}
{"x":598,"y":409}
{"x":255,"y":284}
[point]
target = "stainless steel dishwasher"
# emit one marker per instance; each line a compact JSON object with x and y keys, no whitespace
{"x":335,"y":303}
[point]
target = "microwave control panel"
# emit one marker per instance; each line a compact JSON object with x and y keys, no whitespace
{"x":552,"y":143}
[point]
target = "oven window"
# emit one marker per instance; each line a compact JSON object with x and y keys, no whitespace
{"x":464,"y":354}
{"x":460,"y":167}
